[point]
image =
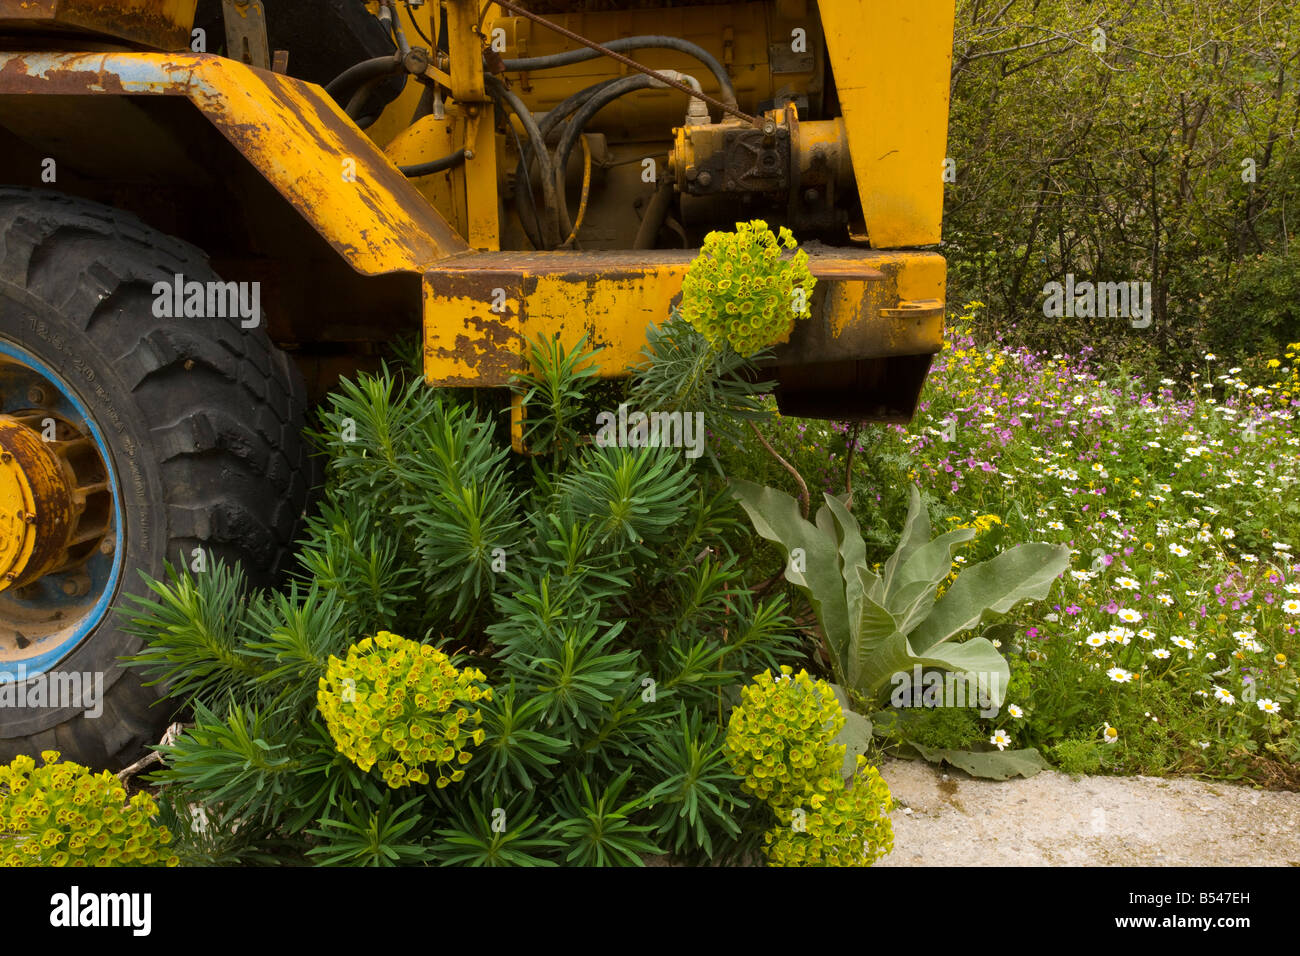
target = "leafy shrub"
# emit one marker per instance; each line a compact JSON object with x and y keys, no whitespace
{"x":601,"y":599}
{"x":61,"y":814}
{"x":390,"y":702}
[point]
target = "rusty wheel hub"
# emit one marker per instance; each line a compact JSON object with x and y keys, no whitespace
{"x":48,"y":472}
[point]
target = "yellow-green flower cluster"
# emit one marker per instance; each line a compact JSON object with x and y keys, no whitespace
{"x":61,"y":814}
{"x":781,"y":739}
{"x":402,"y":705}
{"x":839,"y":827}
{"x":782,"y":736}
{"x":741,"y":288}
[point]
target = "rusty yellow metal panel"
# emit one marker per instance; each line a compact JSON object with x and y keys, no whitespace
{"x":481,"y":310}
{"x":481,"y":179}
{"x":465,"y":50}
{"x":892,"y":63}
{"x":292,"y":132}
{"x":162,"y":24}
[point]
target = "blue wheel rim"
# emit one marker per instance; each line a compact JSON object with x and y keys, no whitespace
{"x":46,"y":650}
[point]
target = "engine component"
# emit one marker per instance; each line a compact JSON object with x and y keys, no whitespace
{"x":803,"y":167}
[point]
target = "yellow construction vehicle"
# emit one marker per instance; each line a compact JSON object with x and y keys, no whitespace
{"x":210,"y":209}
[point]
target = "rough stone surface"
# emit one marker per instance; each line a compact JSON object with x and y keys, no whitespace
{"x":1053,"y":819}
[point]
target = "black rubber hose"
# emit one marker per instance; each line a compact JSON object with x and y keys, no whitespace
{"x":436,"y":166}
{"x":583,"y":115}
{"x":655,"y":214}
{"x":632,"y":43}
{"x":346,"y":83}
{"x":508,"y":100}
{"x":361,"y":97}
{"x":547,"y":126}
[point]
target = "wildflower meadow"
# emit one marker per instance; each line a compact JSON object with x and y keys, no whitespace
{"x":1170,"y":644}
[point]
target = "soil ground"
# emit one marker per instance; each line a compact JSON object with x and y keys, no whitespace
{"x":947,"y":818}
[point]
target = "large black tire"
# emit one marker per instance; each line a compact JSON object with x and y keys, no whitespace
{"x":203,"y":420}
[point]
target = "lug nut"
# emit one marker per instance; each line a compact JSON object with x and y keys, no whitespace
{"x":36,"y":395}
{"x":107,"y":545}
{"x":76,"y":585}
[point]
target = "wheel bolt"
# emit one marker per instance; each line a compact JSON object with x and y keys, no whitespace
{"x":107,"y":545}
{"x":36,"y":395}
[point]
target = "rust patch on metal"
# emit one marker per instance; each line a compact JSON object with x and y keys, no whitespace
{"x":162,"y":24}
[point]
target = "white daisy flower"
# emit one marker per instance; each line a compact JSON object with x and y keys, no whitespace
{"x":1160,"y":654}
{"x":1000,"y":739}
{"x":1015,"y":711}
{"x":1268,"y":706}
{"x":1119,"y":675}
{"x":1223,"y":696}
{"x":1127,"y":584}
{"x":1178,"y":550}
{"x":1129,"y":615}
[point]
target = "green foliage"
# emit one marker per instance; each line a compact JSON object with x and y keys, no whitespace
{"x":1077,"y":756}
{"x":1263,"y":300}
{"x":878,"y":625}
{"x":373,"y":838}
{"x":740,"y":290}
{"x":602,"y":597}
{"x":61,"y":814}
{"x":553,"y":388}
{"x":1147,"y":143}
{"x":685,"y":372}
{"x":946,"y":728}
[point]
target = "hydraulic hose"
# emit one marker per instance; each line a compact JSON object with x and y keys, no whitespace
{"x":436,"y":166}
{"x":583,"y":115}
{"x":547,"y":126}
{"x":346,"y":83}
{"x":632,"y":43}
{"x":550,"y":237}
